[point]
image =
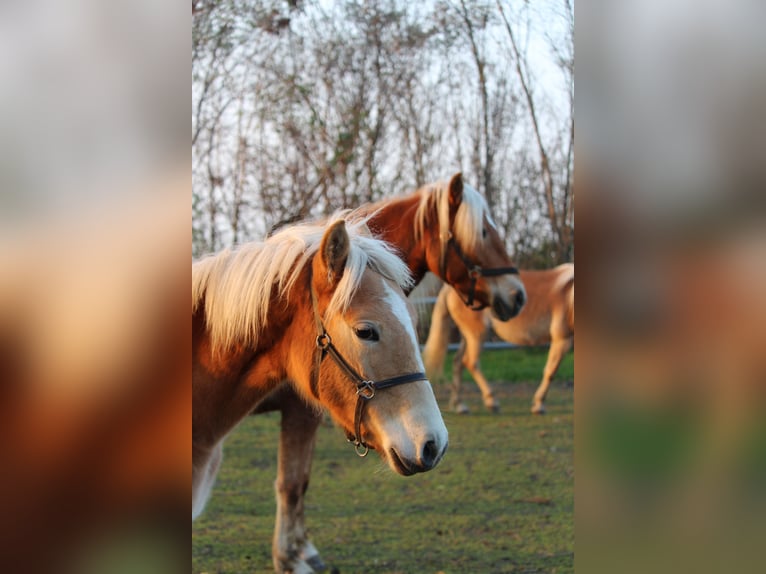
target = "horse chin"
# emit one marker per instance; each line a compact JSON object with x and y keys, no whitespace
{"x":502,"y":310}
{"x":407,"y":467}
{"x":398,"y":465}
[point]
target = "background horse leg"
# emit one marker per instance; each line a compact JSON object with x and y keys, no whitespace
{"x":457,"y":376}
{"x":557,"y":351}
{"x":292,"y":551}
{"x":471,"y":361}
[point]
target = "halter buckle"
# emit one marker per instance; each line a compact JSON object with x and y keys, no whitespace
{"x":366,"y":390}
{"x":474,"y":272}
{"x":323,"y":341}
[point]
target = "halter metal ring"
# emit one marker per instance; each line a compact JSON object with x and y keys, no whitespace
{"x":366,"y":390}
{"x":323,"y":340}
{"x":361,"y":449}
{"x":474,"y":272}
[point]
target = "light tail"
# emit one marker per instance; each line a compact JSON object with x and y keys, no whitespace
{"x":435,"y":349}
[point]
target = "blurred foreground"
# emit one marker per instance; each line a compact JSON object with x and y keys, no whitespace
{"x":95,"y":406}
{"x":670,"y":361}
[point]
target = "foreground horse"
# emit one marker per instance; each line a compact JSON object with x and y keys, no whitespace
{"x":274,"y":311}
{"x":444,"y":228}
{"x":547,"y":318}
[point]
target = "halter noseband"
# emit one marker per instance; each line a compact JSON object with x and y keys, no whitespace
{"x":474,"y":271}
{"x":365,"y":388}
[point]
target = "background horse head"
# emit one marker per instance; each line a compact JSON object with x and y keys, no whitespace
{"x":446,"y":228}
{"x":271,"y":312}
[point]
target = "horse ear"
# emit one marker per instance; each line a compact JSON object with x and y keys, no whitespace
{"x":333,"y":252}
{"x":455,"y":193}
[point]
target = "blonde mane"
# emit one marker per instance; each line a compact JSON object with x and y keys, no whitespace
{"x":236,"y":285}
{"x":469,"y":219}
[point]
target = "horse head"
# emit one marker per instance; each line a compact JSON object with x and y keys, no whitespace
{"x":471,"y":254}
{"x":367,"y":369}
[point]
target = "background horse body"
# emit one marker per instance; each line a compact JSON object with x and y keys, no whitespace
{"x":267,"y":312}
{"x":444,"y":228}
{"x":547,"y":318}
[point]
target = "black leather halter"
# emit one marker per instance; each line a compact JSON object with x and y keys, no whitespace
{"x":365,"y":388}
{"x":474,"y":271}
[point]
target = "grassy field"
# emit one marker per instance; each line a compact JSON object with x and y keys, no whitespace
{"x":502,"y":500}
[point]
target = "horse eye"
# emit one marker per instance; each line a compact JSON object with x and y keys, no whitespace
{"x":367,"y":333}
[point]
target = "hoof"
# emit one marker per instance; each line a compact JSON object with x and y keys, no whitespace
{"x":462,"y":409}
{"x":493,"y":406}
{"x":316,"y":563}
{"x":538,"y":409}
{"x":298,"y":567}
{"x":310,"y":555}
{"x":302,"y":565}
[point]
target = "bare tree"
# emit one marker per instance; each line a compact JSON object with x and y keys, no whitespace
{"x":560,"y":213}
{"x":300,"y":108}
{"x":483,"y":154}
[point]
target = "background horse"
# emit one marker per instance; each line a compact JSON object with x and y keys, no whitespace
{"x":547,"y":318}
{"x":272,"y":312}
{"x":445,"y":228}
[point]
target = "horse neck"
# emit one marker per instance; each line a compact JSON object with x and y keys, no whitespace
{"x":287,"y":347}
{"x":228,"y":385}
{"x":394,"y":222}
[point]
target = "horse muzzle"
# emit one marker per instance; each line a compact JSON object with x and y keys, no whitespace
{"x":505,"y":309}
{"x":427,"y":458}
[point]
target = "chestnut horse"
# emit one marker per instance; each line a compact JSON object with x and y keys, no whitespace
{"x":276,"y":311}
{"x":547,"y":318}
{"x":444,"y":228}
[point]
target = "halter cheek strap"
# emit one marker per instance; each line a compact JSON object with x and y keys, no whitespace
{"x":365,"y":388}
{"x":474,"y":271}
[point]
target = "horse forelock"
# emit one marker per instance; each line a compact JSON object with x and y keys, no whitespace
{"x":469,"y":219}
{"x":373,"y":254}
{"x":236,"y":285}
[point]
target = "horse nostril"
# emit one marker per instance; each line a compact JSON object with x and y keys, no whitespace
{"x":430,"y":452}
{"x":520,"y":300}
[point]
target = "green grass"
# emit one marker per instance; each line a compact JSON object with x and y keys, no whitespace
{"x":501,"y":500}
{"x":523,"y":364}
